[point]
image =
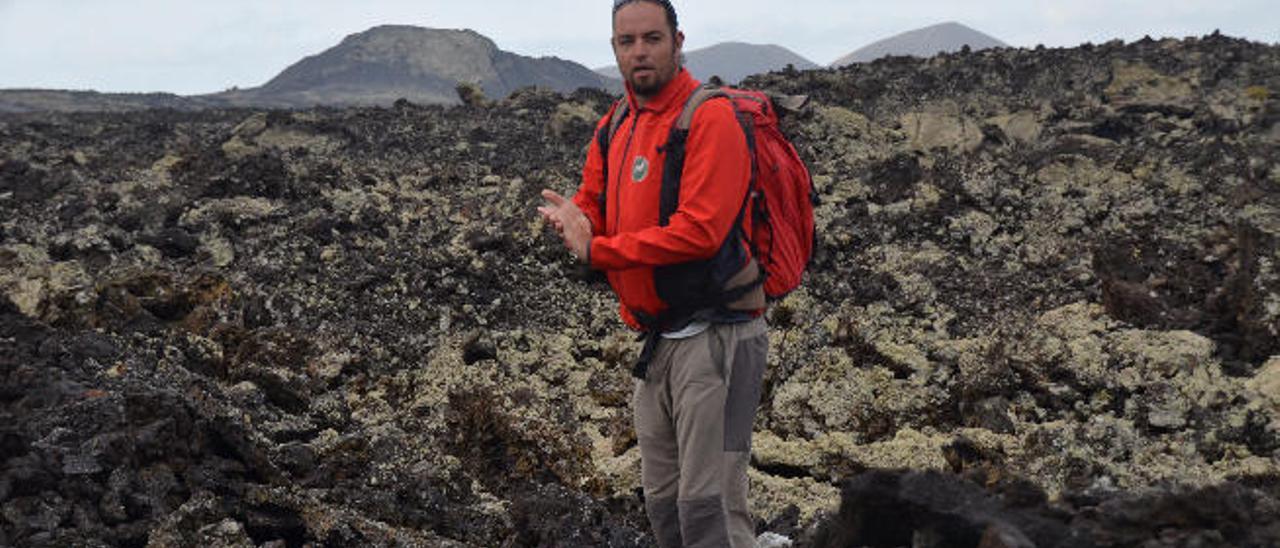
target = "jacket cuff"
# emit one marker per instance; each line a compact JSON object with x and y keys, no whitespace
{"x":604,"y":256}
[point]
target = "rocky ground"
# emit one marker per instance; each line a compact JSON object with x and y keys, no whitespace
{"x":1044,"y":310}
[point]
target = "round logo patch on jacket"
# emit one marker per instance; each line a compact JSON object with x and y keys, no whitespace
{"x":640,"y":169}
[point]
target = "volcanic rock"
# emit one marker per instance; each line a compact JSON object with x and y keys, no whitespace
{"x":349,"y":327}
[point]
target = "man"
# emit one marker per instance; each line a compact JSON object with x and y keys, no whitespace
{"x":687,"y":281}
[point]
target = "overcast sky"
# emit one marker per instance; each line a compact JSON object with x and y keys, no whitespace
{"x":191,"y":47}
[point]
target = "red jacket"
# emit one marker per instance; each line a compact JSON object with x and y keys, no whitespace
{"x":630,"y":243}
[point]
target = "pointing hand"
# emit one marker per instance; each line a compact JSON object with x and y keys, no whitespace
{"x":569,"y":221}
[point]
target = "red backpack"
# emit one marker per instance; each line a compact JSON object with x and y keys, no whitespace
{"x":781,"y":201}
{"x":782,"y":193}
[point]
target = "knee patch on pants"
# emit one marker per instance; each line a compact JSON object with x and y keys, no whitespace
{"x":702,"y":523}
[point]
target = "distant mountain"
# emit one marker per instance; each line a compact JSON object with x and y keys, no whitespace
{"x":734,"y":61}
{"x":925,"y":42}
{"x":390,"y":62}
{"x":374,"y":67}
{"x":41,"y":100}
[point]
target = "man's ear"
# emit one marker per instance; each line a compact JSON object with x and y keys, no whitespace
{"x":679,"y":41}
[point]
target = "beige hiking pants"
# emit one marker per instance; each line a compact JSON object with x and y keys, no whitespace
{"x":693,"y":417}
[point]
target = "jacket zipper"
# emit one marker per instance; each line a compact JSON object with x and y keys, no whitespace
{"x":617,"y":187}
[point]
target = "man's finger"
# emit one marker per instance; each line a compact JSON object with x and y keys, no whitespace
{"x":553,"y":198}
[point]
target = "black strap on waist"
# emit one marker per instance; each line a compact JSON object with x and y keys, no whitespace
{"x":641,"y":368}
{"x":655,"y":326}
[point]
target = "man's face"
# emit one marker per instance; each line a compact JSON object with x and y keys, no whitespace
{"x":648,"y":55}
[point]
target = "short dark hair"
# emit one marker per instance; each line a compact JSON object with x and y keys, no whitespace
{"x":672,"y":21}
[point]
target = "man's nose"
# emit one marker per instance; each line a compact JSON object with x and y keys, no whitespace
{"x":641,"y":51}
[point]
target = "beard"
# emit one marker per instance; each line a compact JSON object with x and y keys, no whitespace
{"x":648,"y":89}
{"x":654,"y":82}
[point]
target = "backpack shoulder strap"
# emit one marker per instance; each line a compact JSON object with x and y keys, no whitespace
{"x":673,"y":166}
{"x":701,"y":95}
{"x":604,"y":137}
{"x":675,"y":148}
{"x":620,"y":113}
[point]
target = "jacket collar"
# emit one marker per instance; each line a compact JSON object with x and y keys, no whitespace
{"x":670,"y":96}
